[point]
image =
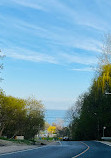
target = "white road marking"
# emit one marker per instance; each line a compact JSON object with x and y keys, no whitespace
{"x":105,"y":142}
{"x":60,"y":142}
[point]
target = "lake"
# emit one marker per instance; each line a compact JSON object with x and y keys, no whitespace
{"x":52,"y":116}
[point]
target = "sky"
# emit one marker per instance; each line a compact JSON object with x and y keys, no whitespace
{"x":51,"y":47}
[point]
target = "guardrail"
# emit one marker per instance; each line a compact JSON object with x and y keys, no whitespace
{"x":106,"y":138}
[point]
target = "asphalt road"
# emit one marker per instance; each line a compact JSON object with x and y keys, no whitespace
{"x":67,"y":149}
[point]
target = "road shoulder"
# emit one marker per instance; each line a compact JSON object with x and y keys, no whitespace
{"x":105,"y":142}
{"x":8,"y":147}
{"x":14,"y":148}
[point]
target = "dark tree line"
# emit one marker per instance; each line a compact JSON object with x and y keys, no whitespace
{"x":92,"y":111}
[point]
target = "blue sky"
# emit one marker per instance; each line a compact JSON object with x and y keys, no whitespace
{"x":50,"y":47}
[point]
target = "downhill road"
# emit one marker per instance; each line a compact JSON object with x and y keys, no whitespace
{"x":66,"y":149}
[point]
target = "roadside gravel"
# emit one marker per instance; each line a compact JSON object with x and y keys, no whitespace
{"x":7,"y":146}
{"x":12,"y":148}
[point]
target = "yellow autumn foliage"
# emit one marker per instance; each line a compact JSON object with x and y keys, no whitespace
{"x":104,"y":79}
{"x":52,"y":129}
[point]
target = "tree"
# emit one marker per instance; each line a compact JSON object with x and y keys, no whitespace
{"x":1,"y":64}
{"x":105,"y":57}
{"x":52,"y":129}
{"x":95,"y":109}
{"x":73,"y":114}
{"x":12,"y":112}
{"x":63,"y":132}
{"x":35,"y":117}
{"x":20,"y":117}
{"x":47,"y":125}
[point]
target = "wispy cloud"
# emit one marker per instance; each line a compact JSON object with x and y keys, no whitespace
{"x":58,"y":39}
{"x":80,"y":59}
{"x":81,"y":15}
{"x":58,"y":35}
{"x":71,"y":15}
{"x":61,"y":59}
{"x":66,"y":12}
{"x":54,"y":35}
{"x":83,"y":69}
{"x":30,"y":4}
{"x":24,"y":54}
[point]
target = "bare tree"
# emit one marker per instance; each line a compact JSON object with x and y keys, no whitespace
{"x":105,"y":57}
{"x":74,"y":111}
{"x":1,"y":64}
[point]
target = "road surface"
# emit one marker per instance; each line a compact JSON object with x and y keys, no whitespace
{"x":67,"y":149}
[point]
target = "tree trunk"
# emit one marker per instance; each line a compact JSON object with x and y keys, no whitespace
{"x":1,"y":131}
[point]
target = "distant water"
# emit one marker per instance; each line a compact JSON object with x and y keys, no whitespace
{"x":53,"y":115}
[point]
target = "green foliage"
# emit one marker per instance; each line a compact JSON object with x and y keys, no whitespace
{"x":35,"y":118}
{"x":103,"y":80}
{"x":20,"y":117}
{"x":64,"y":132}
{"x":28,"y":142}
{"x":95,"y":107}
{"x":95,"y":110}
{"x":13,"y":113}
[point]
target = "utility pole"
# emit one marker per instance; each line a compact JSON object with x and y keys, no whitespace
{"x":98,"y":127}
{"x":97,"y":123}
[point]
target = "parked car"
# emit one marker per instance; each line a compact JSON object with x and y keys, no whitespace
{"x":65,"y":138}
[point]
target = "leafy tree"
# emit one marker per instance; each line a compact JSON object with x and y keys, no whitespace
{"x":95,"y":110}
{"x":52,"y":129}
{"x":46,"y":125}
{"x":63,"y":132}
{"x":12,"y":113}
{"x":35,"y":117}
{"x":20,"y":117}
{"x":1,"y":64}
